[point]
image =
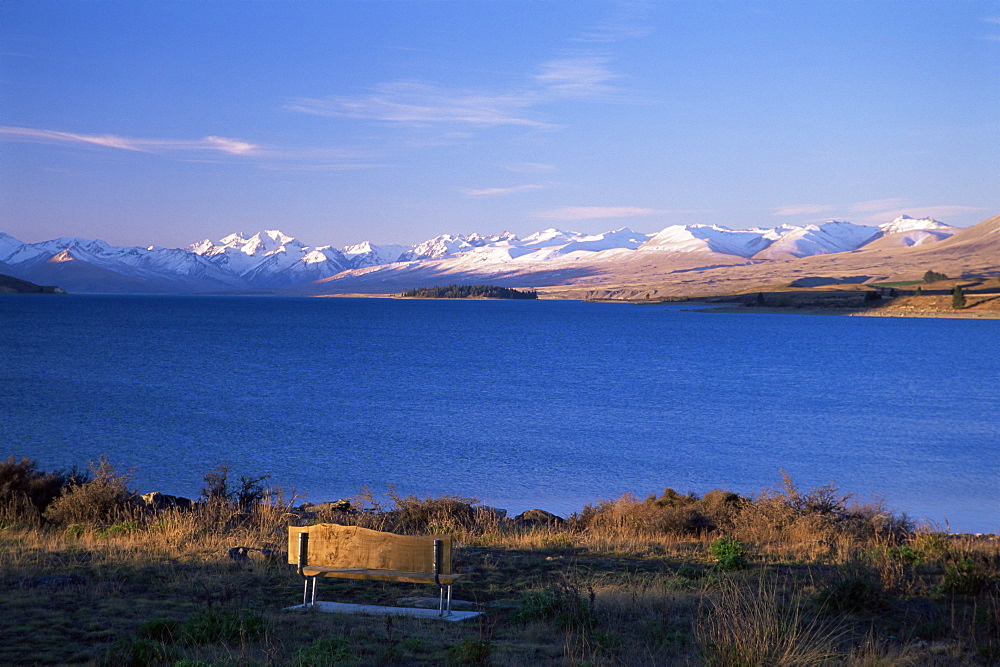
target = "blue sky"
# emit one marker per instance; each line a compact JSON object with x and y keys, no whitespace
{"x":167,"y":122}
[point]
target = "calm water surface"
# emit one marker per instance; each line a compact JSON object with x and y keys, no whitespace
{"x":520,"y":404}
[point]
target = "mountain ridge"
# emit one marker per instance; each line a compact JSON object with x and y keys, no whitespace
{"x":554,"y":259}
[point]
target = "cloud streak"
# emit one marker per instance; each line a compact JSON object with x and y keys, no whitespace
{"x":582,"y":77}
{"x":596,"y":212}
{"x":501,"y":192}
{"x":209,"y":144}
{"x":420,"y":103}
{"x":417,"y":103}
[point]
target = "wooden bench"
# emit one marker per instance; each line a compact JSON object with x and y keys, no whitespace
{"x":350,"y":552}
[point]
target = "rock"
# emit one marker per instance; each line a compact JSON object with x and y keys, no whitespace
{"x":160,"y":501}
{"x":328,"y":507}
{"x":538,"y":518}
{"x":242,"y":554}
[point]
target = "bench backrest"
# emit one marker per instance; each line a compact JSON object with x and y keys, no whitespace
{"x":333,"y":545}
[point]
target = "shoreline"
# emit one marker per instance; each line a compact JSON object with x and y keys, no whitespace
{"x":853,"y":312}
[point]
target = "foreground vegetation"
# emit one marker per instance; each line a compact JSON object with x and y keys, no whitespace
{"x":469,"y":292}
{"x":90,"y":575}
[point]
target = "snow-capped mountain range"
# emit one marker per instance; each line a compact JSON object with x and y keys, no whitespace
{"x":273,"y":260}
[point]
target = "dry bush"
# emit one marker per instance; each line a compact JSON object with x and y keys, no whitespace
{"x":103,"y":499}
{"x":822,"y":515}
{"x":670,"y":514}
{"x":743,"y":624}
{"x":445,"y":514}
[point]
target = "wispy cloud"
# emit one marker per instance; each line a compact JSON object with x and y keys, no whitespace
{"x":211,"y":143}
{"x":581,"y":77}
{"x":417,"y":103}
{"x":874,"y":205}
{"x":528,"y":167}
{"x":206,"y":149}
{"x":420,"y":103}
{"x":501,"y":192}
{"x":806,"y":209}
{"x":596,"y":212}
{"x":628,"y":23}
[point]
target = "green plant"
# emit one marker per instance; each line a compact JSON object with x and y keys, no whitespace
{"x":140,"y":652}
{"x":117,"y":529}
{"x":470,"y":652}
{"x":966,"y":577}
{"x":325,"y":651}
{"x":220,"y":626}
{"x":165,"y":630}
{"x":729,"y":554}
{"x":562,"y":603}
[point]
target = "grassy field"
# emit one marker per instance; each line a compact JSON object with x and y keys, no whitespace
{"x":786,"y":577}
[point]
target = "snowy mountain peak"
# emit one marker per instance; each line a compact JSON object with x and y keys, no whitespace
{"x":905,"y":223}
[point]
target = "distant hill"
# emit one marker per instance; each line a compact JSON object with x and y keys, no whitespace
{"x":12,"y":285}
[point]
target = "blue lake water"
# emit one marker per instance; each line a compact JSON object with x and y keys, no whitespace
{"x":521,"y":404}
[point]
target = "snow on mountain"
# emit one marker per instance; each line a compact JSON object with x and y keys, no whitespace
{"x":273,"y":259}
{"x":370,"y":254}
{"x":710,"y":238}
{"x":8,"y":245}
{"x":829,"y":237}
{"x":438,"y":247}
{"x":905,"y":223}
{"x":905,"y":232}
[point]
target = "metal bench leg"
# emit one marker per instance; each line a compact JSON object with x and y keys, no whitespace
{"x":442,"y":609}
{"x":305,"y":592}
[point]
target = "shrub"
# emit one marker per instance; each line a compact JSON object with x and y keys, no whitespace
{"x":729,"y":554}
{"x":934,"y":276}
{"x":446,"y":514}
{"x":957,"y":298}
{"x":562,"y":604}
{"x":855,"y":590}
{"x":251,"y":492}
{"x":103,"y":499}
{"x":966,"y":577}
{"x":26,"y":492}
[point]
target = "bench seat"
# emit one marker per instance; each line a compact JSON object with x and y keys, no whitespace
{"x":377,"y":575}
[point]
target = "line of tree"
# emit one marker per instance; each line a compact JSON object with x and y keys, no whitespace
{"x":469,"y":292}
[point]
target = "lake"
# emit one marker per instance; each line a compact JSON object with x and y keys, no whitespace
{"x":521,"y":404}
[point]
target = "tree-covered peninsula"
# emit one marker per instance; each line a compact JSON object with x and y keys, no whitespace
{"x":469,"y":292}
